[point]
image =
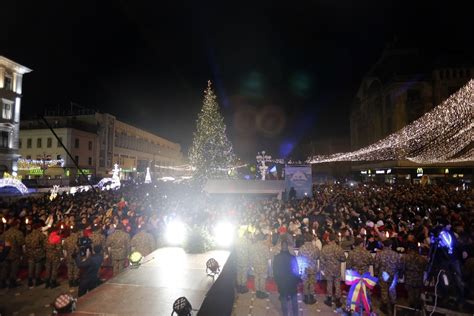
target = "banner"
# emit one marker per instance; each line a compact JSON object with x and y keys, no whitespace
{"x":299,"y":178}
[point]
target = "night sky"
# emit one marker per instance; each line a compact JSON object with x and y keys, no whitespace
{"x":284,"y":73}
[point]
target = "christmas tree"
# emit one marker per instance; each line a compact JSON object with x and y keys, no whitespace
{"x":211,"y":153}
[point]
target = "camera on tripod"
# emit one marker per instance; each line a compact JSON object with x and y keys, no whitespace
{"x":84,"y":243}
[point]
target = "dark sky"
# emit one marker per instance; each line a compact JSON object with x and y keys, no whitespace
{"x":284,"y":73}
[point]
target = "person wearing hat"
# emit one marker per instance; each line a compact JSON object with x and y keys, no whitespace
{"x":118,"y":244}
{"x":243,"y":258}
{"x":386,"y":268}
{"x":414,"y":265}
{"x":310,"y":255}
{"x":331,"y":257}
{"x":143,"y":242}
{"x":70,"y":247}
{"x":35,"y":244}
{"x":10,"y":266}
{"x":53,"y":258}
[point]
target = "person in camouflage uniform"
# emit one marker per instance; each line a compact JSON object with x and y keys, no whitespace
{"x":359,"y":259}
{"x":35,"y":244}
{"x":10,"y":266}
{"x":53,"y":259}
{"x":70,"y":248}
{"x":310,"y":255}
{"x":414,"y":265}
{"x":331,"y":257}
{"x":97,"y":237}
{"x":143,"y":242}
{"x":119,"y":244}
{"x":260,"y":254}
{"x":242,"y":250}
{"x":387,"y":261}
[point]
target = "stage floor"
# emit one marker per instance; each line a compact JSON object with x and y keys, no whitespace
{"x":153,"y":287}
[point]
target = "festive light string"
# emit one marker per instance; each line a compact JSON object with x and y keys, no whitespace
{"x":438,"y":136}
{"x":27,"y":164}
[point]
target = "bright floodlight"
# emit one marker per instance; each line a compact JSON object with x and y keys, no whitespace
{"x":224,"y":234}
{"x":175,"y":232}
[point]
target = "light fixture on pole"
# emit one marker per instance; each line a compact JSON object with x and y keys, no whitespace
{"x":261,"y":160}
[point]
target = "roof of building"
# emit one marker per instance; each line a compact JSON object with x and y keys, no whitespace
{"x":13,"y":65}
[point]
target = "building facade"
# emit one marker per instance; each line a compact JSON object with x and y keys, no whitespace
{"x":403,"y":85}
{"x":96,"y":141}
{"x":11,"y":79}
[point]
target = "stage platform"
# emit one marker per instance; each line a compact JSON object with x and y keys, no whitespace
{"x":151,"y":289}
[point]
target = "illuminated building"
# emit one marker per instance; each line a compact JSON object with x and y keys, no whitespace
{"x":98,"y":141}
{"x":11,"y":79}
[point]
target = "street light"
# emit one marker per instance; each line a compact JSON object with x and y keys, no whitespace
{"x":261,"y":160}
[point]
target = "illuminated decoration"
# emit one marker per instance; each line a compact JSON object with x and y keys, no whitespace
{"x":64,"y":304}
{"x":261,"y":160}
{"x":135,"y":258}
{"x":211,"y":150}
{"x":358,"y":291}
{"x":446,"y":241}
{"x":177,"y":168}
{"x":111,"y":183}
{"x":148,"y":176}
{"x":419,"y":172}
{"x":444,"y":134}
{"x":379,"y":171}
{"x":15,"y":182}
{"x":54,"y":192}
{"x":27,"y":164}
{"x":446,"y":171}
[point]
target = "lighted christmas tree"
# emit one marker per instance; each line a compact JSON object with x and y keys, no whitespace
{"x":211,"y":153}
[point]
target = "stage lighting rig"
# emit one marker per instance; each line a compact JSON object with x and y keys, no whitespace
{"x":135,"y":259}
{"x":212,"y":267}
{"x":182,"y":307}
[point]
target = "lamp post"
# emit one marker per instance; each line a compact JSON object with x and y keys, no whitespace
{"x":262,"y":158}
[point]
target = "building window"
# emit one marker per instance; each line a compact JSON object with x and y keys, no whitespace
{"x":60,"y":139}
{"x":58,"y":157}
{"x":28,"y":156}
{"x":90,"y":145}
{"x":76,"y":158}
{"x":4,"y":140}
{"x":76,"y":143}
{"x":28,"y":143}
{"x":38,"y":143}
{"x":7,"y":82}
{"x":90,"y":161}
{"x":49,"y":142}
{"x":7,"y":110}
{"x":19,"y":142}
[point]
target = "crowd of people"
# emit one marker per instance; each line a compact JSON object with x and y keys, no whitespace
{"x":391,"y":228}
{"x":340,"y":223}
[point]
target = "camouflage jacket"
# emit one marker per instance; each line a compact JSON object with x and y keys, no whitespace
{"x":242,"y":250}
{"x":97,"y":239}
{"x":143,"y":242}
{"x":70,"y":245}
{"x":414,"y":265}
{"x":119,"y":244}
{"x":53,"y":252}
{"x":35,"y":244}
{"x":388,"y":261}
{"x":360,"y":260}
{"x":331,"y":257}
{"x":17,"y":240}
{"x":310,"y":253}
{"x":260,"y":254}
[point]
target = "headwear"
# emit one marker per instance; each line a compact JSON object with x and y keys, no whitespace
{"x":282,"y":230}
{"x":379,"y":223}
{"x":54,"y":238}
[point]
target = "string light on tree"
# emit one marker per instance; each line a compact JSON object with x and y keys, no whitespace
{"x":444,"y":134}
{"x":211,"y":152}
{"x":148,"y":176}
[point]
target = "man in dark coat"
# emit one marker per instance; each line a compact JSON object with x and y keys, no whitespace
{"x":285,"y":272}
{"x":89,"y":270}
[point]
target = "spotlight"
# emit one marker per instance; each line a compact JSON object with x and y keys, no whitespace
{"x":212,"y":267}
{"x":175,"y":232}
{"x":135,"y":258}
{"x":182,"y":307}
{"x":224,"y":234}
{"x":64,"y":304}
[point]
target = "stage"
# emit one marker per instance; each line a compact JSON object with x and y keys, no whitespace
{"x":151,"y":289}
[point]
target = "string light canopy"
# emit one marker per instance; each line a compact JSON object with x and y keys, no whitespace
{"x":444,"y":134}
